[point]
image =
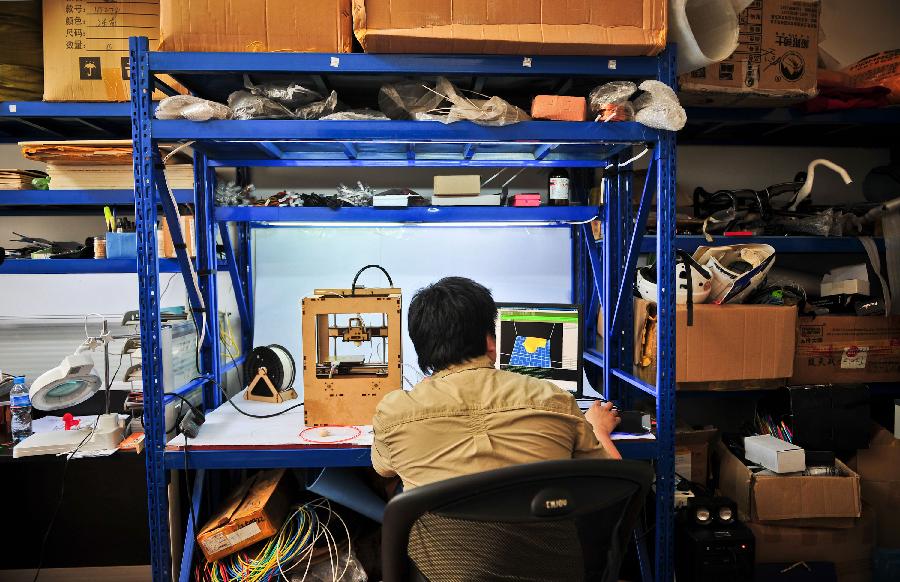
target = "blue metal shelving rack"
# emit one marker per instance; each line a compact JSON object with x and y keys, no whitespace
{"x":597,"y":269}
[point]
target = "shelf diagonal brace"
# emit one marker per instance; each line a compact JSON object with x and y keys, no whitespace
{"x":174,"y":226}
{"x":469,"y":151}
{"x":350,"y":150}
{"x":634,"y":245}
{"x":270,"y":149}
{"x":240,"y":293}
{"x":594,"y":257}
{"x":541,"y":151}
{"x":187,"y":554}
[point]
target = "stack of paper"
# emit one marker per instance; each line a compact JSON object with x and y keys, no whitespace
{"x":112,"y":177}
{"x":480,"y":200}
{"x":101,"y":164}
{"x":19,"y":179}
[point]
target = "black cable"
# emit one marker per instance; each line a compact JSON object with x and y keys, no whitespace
{"x":360,"y":272}
{"x":62,"y":493}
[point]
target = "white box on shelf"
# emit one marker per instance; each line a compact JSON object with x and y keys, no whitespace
{"x":774,"y":454}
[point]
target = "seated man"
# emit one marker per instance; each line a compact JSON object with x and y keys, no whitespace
{"x":468,"y":416}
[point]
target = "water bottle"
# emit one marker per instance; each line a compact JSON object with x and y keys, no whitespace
{"x":20,"y":405}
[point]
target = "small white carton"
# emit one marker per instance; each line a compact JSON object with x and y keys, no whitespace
{"x":774,"y":454}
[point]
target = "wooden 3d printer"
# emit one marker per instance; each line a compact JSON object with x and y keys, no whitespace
{"x":351,"y":352}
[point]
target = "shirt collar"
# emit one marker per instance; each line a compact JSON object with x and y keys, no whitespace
{"x":470,"y":364}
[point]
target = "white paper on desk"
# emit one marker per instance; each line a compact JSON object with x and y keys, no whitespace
{"x":627,"y":436}
{"x":50,"y":423}
{"x":90,"y":454}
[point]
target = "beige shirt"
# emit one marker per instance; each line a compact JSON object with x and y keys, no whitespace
{"x":473,"y":417}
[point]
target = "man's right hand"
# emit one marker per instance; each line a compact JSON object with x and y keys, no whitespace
{"x":602,"y":417}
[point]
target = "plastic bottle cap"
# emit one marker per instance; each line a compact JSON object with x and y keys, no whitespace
{"x":19,"y":380}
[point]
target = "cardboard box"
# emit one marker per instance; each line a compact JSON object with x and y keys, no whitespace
{"x":255,"y":511}
{"x":726,"y":343}
{"x":879,"y":469}
{"x":849,"y":549}
{"x":86,"y":47}
{"x":559,"y":108}
{"x":788,"y":499}
{"x":255,"y":26}
{"x":457,"y":185}
{"x":841,"y":349}
{"x":774,"y":64}
{"x":774,"y":454}
{"x":167,"y":246}
{"x":517,"y":27}
{"x":692,"y":453}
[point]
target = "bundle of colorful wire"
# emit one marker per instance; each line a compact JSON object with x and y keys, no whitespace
{"x":291,"y":547}
{"x":765,"y":424}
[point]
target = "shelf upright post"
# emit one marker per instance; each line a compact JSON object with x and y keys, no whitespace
{"x":210,"y":361}
{"x":611,"y":245}
{"x":145,"y":201}
{"x":665,"y":361}
{"x":622,"y":307}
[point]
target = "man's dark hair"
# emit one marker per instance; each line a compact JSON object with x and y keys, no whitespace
{"x":449,"y":322}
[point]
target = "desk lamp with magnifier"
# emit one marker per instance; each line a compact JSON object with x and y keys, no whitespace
{"x":72,"y":382}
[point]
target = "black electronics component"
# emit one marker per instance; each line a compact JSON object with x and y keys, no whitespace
{"x":711,"y":545}
{"x":824,"y":418}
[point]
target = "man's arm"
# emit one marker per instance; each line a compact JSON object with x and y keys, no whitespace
{"x":604,"y":421}
{"x":381,"y":451}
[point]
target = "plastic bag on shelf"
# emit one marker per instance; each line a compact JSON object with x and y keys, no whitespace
{"x":614,"y":93}
{"x":319,"y":109}
{"x":191,"y":108}
{"x":357,"y":115}
{"x":345,"y":566}
{"x":406,"y":100}
{"x":658,"y":107}
{"x":493,"y":111}
{"x":359,"y":196}
{"x":246,"y":105}
{"x":289,"y":93}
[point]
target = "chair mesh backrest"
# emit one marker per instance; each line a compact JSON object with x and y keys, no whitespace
{"x":490,"y":530}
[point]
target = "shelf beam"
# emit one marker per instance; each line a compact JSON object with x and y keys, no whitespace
{"x":562,"y":215}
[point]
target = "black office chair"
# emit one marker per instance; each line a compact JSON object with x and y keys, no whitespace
{"x":565,"y":521}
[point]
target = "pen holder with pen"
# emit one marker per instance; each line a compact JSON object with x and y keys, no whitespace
{"x":121,"y":245}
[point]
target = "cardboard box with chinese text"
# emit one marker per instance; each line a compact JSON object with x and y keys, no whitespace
{"x":774,"y":64}
{"x":86,"y":47}
{"x":844,"y":349}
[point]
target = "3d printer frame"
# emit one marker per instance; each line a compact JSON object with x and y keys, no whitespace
{"x":340,"y":391}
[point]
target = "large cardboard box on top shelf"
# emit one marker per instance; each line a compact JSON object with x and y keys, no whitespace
{"x":844,"y":349}
{"x":793,"y":500}
{"x":256,"y":26}
{"x":86,"y":47}
{"x":728,"y":346}
{"x":774,"y":64}
{"x":879,"y":469}
{"x":517,"y":27}
{"x":849,"y":549}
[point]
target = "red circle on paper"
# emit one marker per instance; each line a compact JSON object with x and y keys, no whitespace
{"x":852,"y":351}
{"x":344,"y":440}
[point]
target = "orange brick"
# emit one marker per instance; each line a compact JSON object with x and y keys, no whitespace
{"x":559,"y":108}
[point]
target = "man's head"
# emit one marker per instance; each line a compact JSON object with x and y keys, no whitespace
{"x":452,"y":321}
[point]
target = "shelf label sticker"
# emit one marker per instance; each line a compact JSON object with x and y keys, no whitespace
{"x":245,"y":533}
{"x":526,"y":62}
{"x":12,"y":108}
{"x":611,"y":64}
{"x":854,"y":358}
{"x":335,"y":62}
